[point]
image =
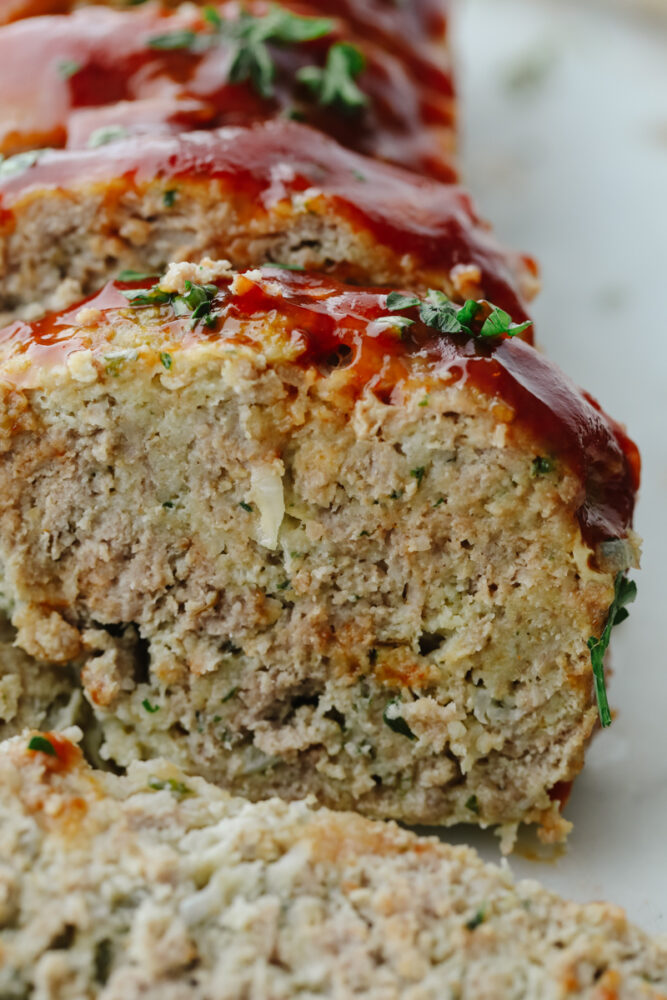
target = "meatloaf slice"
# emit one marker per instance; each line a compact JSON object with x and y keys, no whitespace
{"x":277,"y":191}
{"x":97,"y":73}
{"x":158,"y":885}
{"x":364,"y":556}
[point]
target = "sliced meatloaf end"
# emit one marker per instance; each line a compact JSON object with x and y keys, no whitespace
{"x":80,"y":79}
{"x":277,"y":191}
{"x":364,"y":556}
{"x":158,"y":885}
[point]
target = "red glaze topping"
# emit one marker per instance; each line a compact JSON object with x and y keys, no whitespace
{"x":63,"y":78}
{"x":337,"y":327}
{"x":268,"y":164}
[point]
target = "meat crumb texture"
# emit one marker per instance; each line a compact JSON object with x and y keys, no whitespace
{"x":157,"y":884}
{"x":301,"y":549}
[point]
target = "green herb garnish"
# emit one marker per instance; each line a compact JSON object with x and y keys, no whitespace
{"x":108,"y":133}
{"x":230,"y":694}
{"x":21,"y":161}
{"x":439,"y":312}
{"x":625,"y":592}
{"x":150,"y":708}
{"x":129,"y":275}
{"x":477,"y":919}
{"x":177,"y":788}
{"x":418,"y":474}
{"x":68,"y":68}
{"x":42,"y":745}
{"x":334,"y":84}
{"x":195,"y":300}
{"x":541,"y":466}
{"x":472,"y":804}
{"x":169,"y":197}
{"x":246,"y":506}
{"x":166,"y":360}
{"x":398,"y":724}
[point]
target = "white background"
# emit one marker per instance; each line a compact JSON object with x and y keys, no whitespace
{"x":564,"y":117}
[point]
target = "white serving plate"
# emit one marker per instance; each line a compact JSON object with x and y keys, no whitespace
{"x":565,"y":122}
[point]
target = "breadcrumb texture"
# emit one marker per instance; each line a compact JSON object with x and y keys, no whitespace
{"x":159,"y":885}
{"x":332,"y":585}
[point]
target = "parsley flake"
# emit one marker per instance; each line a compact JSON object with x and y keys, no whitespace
{"x":129,"y":275}
{"x":625,"y":591}
{"x":67,"y":68}
{"x":40,"y":744}
{"x":418,"y":474}
{"x":169,"y":197}
{"x":166,"y":360}
{"x":541,"y":466}
{"x":152,"y":709}
{"x":439,"y":312}
{"x":473,"y":805}
{"x":334,"y":85}
{"x":397,"y":723}
{"x":477,"y":919}
{"x":177,"y":788}
{"x":246,"y":506}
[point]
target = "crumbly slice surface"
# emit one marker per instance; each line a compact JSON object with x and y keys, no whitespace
{"x":346,"y":583}
{"x":159,"y":885}
{"x":278,"y":191}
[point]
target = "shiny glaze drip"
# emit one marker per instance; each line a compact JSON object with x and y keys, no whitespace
{"x":270,"y":163}
{"x":337,"y":329}
{"x":66,"y":77}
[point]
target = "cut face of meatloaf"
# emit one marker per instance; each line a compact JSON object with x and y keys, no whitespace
{"x":98,"y":73}
{"x":363,"y":555}
{"x":158,"y":885}
{"x":276,"y":191}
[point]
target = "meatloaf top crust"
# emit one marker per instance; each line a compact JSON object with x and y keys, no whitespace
{"x":319,"y":323}
{"x":97,"y":73}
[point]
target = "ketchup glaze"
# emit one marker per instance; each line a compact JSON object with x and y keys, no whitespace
{"x":65,"y":78}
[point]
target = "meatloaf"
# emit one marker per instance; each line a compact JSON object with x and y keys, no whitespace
{"x":158,"y":885}
{"x":279,"y":191}
{"x":363,"y":538}
{"x":88,"y":77}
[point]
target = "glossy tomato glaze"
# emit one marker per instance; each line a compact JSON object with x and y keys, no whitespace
{"x":65,"y":77}
{"x":268,"y":164}
{"x":336,"y":326}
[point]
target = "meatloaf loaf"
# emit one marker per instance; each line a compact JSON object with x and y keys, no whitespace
{"x":158,"y":885}
{"x":91,"y":76}
{"x":280,"y":191}
{"x":364,"y":538}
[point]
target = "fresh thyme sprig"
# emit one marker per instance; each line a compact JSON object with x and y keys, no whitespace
{"x":625,"y":592}
{"x":334,"y":84}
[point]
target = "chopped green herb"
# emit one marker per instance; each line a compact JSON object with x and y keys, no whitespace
{"x":168,"y":504}
{"x":625,"y":591}
{"x":230,"y":694}
{"x":166,"y":360}
{"x":372,"y":656}
{"x":177,"y":788}
{"x":153,"y":297}
{"x":42,"y":745}
{"x":397,"y":723}
{"x":284,"y":267}
{"x":440,"y":313}
{"x":284,"y":585}
{"x":246,"y":506}
{"x":21,"y":161}
{"x":103,"y":959}
{"x":196,"y":300}
{"x":183,"y":39}
{"x":541,"y":466}
{"x":334,"y":85}
{"x":150,"y":708}
{"x":439,"y":501}
{"x":472,"y":804}
{"x":114,"y":363}
{"x":424,"y":401}
{"x":129,"y":275}
{"x":397,"y":300}
{"x":169,"y":197}
{"x":499,"y":322}
{"x":211,"y":15}
{"x":478,"y":918}
{"x":108,"y":133}
{"x":68,"y":68}
{"x":364,"y":534}
{"x":418,"y":474}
